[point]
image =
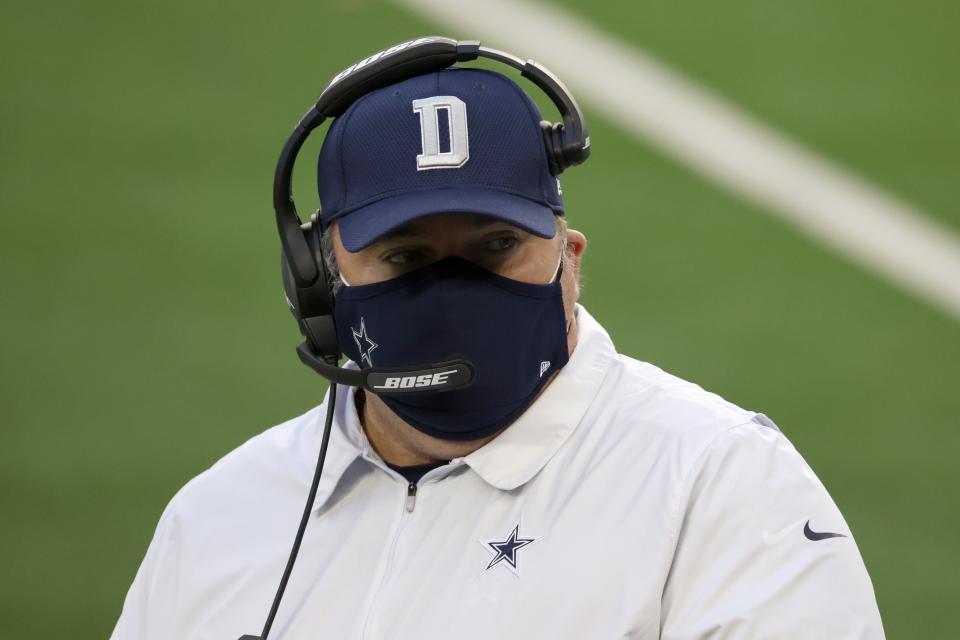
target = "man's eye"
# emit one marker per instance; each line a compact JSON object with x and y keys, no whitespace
{"x":404,"y":257}
{"x":502,"y":243}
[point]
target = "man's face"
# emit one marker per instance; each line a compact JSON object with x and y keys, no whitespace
{"x":494,"y":245}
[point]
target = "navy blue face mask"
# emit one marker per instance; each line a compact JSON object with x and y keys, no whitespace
{"x":514,"y":333}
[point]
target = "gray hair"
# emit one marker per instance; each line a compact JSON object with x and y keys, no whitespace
{"x":330,"y":260}
{"x":336,"y":280}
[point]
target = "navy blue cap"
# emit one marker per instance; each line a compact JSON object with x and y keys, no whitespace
{"x":452,"y":141}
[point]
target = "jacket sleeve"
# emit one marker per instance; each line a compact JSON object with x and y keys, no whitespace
{"x":752,"y":559}
{"x":150,"y":604}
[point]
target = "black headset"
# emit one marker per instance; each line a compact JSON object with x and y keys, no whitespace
{"x":305,"y":277}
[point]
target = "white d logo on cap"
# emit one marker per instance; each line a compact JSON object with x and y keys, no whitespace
{"x":459,"y":152}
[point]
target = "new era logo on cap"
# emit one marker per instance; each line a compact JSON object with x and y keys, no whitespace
{"x":452,"y":141}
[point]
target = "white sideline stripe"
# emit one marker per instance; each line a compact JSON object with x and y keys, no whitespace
{"x":701,"y":130}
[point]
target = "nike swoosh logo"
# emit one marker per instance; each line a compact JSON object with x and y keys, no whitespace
{"x":816,"y":535}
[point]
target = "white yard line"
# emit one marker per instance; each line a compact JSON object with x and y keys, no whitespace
{"x":726,"y":145}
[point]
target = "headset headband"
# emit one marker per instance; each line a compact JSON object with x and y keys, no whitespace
{"x":568,"y":144}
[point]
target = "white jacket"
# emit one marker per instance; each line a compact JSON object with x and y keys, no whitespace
{"x":624,"y":503}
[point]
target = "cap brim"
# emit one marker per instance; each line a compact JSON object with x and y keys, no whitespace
{"x":362,"y":227}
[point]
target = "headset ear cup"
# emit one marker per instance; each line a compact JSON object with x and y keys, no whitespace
{"x":293,"y":293}
{"x":562,"y":153}
{"x":312,"y":306}
{"x":573,"y":150}
{"x":553,"y":141}
{"x":319,"y":319}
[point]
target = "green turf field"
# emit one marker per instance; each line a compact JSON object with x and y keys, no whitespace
{"x":144,"y":328}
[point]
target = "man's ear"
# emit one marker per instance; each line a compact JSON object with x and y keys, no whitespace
{"x":576,"y":245}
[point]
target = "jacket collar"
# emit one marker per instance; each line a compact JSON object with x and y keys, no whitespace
{"x":522,"y":450}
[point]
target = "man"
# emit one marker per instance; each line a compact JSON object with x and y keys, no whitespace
{"x":568,"y":492}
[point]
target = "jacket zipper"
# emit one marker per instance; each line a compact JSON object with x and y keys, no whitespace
{"x":411,"y":496}
{"x":409,"y":503}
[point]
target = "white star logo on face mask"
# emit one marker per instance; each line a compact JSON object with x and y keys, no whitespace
{"x":361,"y":337}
